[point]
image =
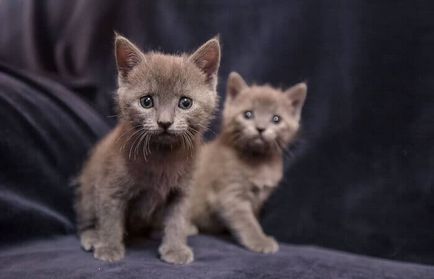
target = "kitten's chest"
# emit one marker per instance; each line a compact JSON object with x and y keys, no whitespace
{"x":263,"y":180}
{"x":266,"y":175}
{"x":160,"y":175}
{"x":155,"y":184}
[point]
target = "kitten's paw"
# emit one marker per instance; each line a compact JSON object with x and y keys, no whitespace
{"x":192,"y":230}
{"x":88,"y":239}
{"x":109,"y":253}
{"x":181,"y":254}
{"x":266,"y":245}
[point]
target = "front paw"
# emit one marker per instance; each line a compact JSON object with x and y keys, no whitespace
{"x":181,"y":254}
{"x":192,"y":230}
{"x":266,"y":245}
{"x":109,"y":253}
{"x":88,"y":239}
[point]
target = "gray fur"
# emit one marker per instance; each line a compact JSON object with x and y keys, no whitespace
{"x":137,"y":176}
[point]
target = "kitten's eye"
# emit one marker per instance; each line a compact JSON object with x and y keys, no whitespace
{"x":275,"y":119}
{"x":185,"y":103}
{"x":248,"y":114}
{"x":147,"y":102}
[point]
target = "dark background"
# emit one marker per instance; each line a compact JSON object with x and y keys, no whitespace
{"x":362,"y":175}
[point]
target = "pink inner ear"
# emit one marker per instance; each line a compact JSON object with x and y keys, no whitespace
{"x":126,"y":57}
{"x":295,"y":107}
{"x":207,"y":58}
{"x":297,"y":94}
{"x":126,"y":60}
{"x":207,"y":63}
{"x":295,"y":103}
{"x":235,"y":85}
{"x":233,"y":91}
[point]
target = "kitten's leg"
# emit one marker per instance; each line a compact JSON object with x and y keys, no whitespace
{"x":191,"y":227}
{"x":241,"y":220}
{"x":86,"y":219}
{"x":111,"y":214}
{"x":174,"y":247}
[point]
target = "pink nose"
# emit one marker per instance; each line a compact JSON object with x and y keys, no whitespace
{"x":164,"y":124}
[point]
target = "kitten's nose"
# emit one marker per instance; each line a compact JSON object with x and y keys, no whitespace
{"x":164,"y":124}
{"x":260,"y":129}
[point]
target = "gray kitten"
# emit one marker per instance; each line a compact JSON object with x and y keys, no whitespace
{"x":141,"y":170}
{"x":238,"y":170}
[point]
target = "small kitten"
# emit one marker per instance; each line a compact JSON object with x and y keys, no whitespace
{"x":238,"y":170}
{"x":142,"y":169}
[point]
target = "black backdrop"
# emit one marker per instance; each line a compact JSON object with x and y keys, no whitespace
{"x":362,"y":176}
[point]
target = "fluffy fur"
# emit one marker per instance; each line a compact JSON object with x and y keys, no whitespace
{"x":140,"y":172}
{"x":238,"y":171}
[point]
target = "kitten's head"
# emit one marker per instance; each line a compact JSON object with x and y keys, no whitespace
{"x":167,"y":97}
{"x":261,"y":118}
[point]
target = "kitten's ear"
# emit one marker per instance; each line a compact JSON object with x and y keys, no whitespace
{"x":235,"y":85}
{"x":127,"y":55}
{"x":297,"y":95}
{"x":207,"y":58}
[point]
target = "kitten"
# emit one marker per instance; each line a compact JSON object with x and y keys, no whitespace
{"x":238,"y":170}
{"x":141,"y":170}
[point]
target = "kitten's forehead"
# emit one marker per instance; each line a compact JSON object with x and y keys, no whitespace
{"x":161,"y":72}
{"x":264,"y":97}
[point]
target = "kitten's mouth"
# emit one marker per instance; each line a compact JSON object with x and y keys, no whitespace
{"x":166,"y":133}
{"x":167,"y":137}
{"x":259,"y":141}
{"x":256,"y":143}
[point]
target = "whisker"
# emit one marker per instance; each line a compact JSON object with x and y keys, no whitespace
{"x":127,"y":132}
{"x":183,"y":141}
{"x":285,"y":151}
{"x":145,"y":146}
{"x":188,"y":137}
{"x":207,"y":129}
{"x":139,"y":143}
{"x":133,"y":137}
{"x":190,"y":142}
{"x":148,"y":148}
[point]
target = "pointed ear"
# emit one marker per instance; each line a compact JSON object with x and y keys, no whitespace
{"x":127,"y":55}
{"x":297,"y":95}
{"x":235,"y":85}
{"x":207,"y":58}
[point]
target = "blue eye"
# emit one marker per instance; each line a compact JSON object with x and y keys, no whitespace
{"x":147,"y":102}
{"x":275,"y":119}
{"x":185,"y":103}
{"x":248,"y":114}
